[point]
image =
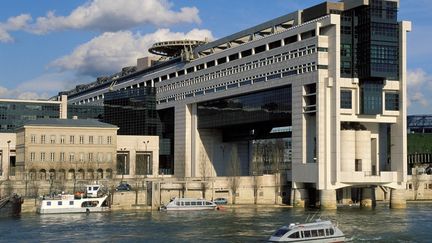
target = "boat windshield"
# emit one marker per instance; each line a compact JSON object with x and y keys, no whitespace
{"x":281,"y":232}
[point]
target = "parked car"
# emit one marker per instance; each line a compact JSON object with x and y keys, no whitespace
{"x":123,"y":187}
{"x":220,"y":201}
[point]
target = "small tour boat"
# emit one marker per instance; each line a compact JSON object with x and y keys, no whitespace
{"x":67,"y":203}
{"x":178,"y":204}
{"x":319,"y":231}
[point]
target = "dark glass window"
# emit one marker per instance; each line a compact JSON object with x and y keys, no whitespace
{"x":233,"y":57}
{"x":222,"y":60}
{"x":392,"y":101}
{"x":346,"y":99}
{"x":246,"y":53}
{"x":275,"y":44}
{"x":259,"y":49}
{"x":272,"y":105}
{"x":371,"y":97}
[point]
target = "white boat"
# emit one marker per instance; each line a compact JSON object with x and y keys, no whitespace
{"x":178,"y":204}
{"x":319,"y":231}
{"x":67,"y":203}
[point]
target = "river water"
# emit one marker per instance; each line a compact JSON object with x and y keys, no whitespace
{"x":244,"y":224}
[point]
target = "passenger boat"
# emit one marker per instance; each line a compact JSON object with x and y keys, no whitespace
{"x":318,"y":231}
{"x":67,"y":203}
{"x":10,"y":206}
{"x":179,"y":204}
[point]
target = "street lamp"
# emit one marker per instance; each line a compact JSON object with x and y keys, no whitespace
{"x":147,"y":157}
{"x":8,"y":163}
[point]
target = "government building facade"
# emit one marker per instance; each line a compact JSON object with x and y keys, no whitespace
{"x":316,"y":97}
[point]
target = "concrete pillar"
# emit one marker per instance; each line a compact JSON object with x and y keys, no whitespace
{"x":299,"y":197}
{"x":368,"y":197}
{"x":397,"y":198}
{"x":328,"y":199}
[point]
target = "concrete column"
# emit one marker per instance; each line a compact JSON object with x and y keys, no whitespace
{"x":368,"y":198}
{"x":397,"y":198}
{"x":328,"y":199}
{"x":299,"y":197}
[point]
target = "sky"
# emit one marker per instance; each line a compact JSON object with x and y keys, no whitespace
{"x":47,"y":46}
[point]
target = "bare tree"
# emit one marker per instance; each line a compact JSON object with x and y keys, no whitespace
{"x":234,"y":172}
{"x":257,"y":170}
{"x":415,"y":180}
{"x":278,"y":158}
{"x":204,"y":171}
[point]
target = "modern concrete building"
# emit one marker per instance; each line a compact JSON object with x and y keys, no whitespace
{"x":318,"y":94}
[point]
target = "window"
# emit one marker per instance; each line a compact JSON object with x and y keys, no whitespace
{"x":33,"y":138}
{"x":42,"y":156}
{"x":259,"y":49}
{"x":345,"y":99}
{"x":62,"y":156}
{"x":392,"y":101}
{"x":358,"y":165}
{"x":81,"y":139}
{"x":90,"y":139}
{"x":100,"y":140}
{"x":43,"y":139}
{"x":52,"y":156}
{"x":52,"y":139}
{"x":71,"y":157}
{"x":62,"y":139}
{"x":90,"y":157}
{"x":71,"y":202}
{"x":32,"y":156}
{"x":72,"y":139}
{"x":59,"y":203}
{"x":100,"y":157}
{"x":109,"y":140}
{"x":294,"y":235}
{"x":307,"y":233}
{"x":81,"y":157}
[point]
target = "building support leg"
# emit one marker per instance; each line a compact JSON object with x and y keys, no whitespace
{"x":328,"y":199}
{"x":397,"y":198}
{"x":299,"y":197}
{"x":368,"y":197}
{"x":346,"y":196}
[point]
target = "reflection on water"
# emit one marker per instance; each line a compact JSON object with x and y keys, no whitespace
{"x":231,"y":225}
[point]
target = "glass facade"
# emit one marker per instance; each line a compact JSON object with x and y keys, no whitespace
{"x":268,"y":107}
{"x":371,"y":97}
{"x":14,"y":114}
{"x":346,"y":99}
{"x":392,"y":101}
{"x":133,"y":111}
{"x":370,"y":41}
{"x":85,"y":111}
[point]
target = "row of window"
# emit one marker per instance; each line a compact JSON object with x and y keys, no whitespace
{"x":219,"y":61}
{"x":311,"y":233}
{"x":243,"y":67}
{"x":90,"y":157}
{"x":391,"y":100}
{"x":81,"y":139}
{"x":304,"y":68}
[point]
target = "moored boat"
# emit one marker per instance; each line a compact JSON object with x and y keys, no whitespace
{"x":180,"y":204}
{"x":319,"y":231}
{"x":68,"y":203}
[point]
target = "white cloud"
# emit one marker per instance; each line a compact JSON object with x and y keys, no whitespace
{"x":109,"y":52}
{"x":103,"y":15}
{"x":419,"y":87}
{"x":42,"y":87}
{"x":13,"y":24}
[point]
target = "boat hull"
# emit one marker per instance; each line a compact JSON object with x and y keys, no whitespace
{"x":73,"y":210}
{"x":188,"y":208}
{"x":322,"y":240}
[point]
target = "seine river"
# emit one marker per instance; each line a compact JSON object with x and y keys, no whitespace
{"x":247,"y":224}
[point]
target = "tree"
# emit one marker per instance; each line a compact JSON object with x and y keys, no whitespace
{"x":257,"y":170}
{"x":278,"y":158}
{"x":204,"y":171}
{"x":234,"y":172}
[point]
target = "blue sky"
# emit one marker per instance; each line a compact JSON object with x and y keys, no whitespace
{"x":50,"y":45}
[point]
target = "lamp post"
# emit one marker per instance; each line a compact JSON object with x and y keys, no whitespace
{"x":8,"y":157}
{"x":147,"y":157}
